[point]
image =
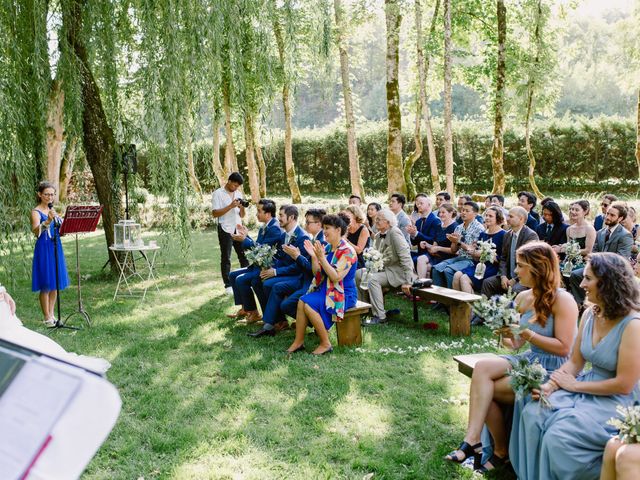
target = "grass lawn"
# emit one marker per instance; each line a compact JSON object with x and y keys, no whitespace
{"x":203,"y":400}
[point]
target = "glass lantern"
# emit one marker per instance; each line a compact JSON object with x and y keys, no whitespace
{"x":127,"y":234}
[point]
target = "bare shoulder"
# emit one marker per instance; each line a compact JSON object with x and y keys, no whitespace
{"x":524,"y":300}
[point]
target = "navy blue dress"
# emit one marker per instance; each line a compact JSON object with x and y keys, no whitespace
{"x":442,"y":241}
{"x":44,"y":262}
{"x":492,"y":268}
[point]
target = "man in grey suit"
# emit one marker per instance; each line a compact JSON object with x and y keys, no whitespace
{"x":613,"y":237}
{"x":398,"y":266}
{"x":397,"y":202}
{"x":519,"y":235}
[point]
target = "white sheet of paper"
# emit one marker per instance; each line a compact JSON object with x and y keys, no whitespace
{"x":29,"y":408}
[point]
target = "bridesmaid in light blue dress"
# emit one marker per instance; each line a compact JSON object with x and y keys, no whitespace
{"x":567,"y":441}
{"x":551,"y":322}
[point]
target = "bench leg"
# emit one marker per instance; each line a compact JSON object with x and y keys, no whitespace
{"x":349,"y":331}
{"x":460,"y":319}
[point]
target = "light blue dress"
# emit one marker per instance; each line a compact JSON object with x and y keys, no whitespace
{"x":549,"y":361}
{"x":567,"y":441}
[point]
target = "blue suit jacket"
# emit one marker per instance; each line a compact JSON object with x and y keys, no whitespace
{"x":271,"y":234}
{"x":532,"y":223}
{"x":598,"y":223}
{"x":305,"y":263}
{"x":284,"y":264}
{"x":427,"y":229}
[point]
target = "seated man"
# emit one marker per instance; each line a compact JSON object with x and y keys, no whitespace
{"x":606,"y":202}
{"x":398,"y":267}
{"x":284,"y":296}
{"x":269,"y":234}
{"x":284,"y":269}
{"x":462,"y":200}
{"x":462,"y":240}
{"x":519,"y":235}
{"x":552,"y":230}
{"x":613,"y":237}
{"x":497,"y":200}
{"x":527,"y":200}
{"x":355,"y":200}
{"x":426,"y":227}
{"x":396,"y":205}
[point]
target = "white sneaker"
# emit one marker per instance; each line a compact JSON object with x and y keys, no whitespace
{"x":228,"y":291}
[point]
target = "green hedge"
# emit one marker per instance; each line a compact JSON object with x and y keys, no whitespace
{"x":572,"y":155}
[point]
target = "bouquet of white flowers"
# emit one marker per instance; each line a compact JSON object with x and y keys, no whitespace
{"x":525,"y":376}
{"x":572,"y":258}
{"x":628,"y":423}
{"x":373,"y":260}
{"x":261,"y":255}
{"x":487,"y":254}
{"x":499,"y":312}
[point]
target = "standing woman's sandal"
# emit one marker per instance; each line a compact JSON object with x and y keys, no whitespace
{"x":474,"y":451}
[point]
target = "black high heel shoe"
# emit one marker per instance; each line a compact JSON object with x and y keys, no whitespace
{"x":474,"y":451}
{"x":495,"y":462}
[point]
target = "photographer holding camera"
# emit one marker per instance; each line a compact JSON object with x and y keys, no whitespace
{"x":228,"y":207}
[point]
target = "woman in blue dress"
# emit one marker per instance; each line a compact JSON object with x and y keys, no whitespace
{"x":549,"y":315}
{"x":440,"y":249}
{"x":567,"y":441}
{"x":43,"y":225}
{"x":333,"y":290}
{"x":465,"y":280}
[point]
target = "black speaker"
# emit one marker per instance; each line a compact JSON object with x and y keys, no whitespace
{"x":129,"y":157}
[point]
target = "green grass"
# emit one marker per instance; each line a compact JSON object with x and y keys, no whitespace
{"x":202,"y":400}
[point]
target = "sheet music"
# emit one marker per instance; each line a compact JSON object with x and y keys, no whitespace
{"x":29,"y":408}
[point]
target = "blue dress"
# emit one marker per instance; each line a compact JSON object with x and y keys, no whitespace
{"x":442,"y":241}
{"x":492,"y":268}
{"x":44,"y":262}
{"x":316,"y":299}
{"x":567,"y":441}
{"x":549,"y":362}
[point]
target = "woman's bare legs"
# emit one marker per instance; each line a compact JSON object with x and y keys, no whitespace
{"x":44,"y":304}
{"x":423,"y":267}
{"x":52,"y":303}
{"x":301,"y":327}
{"x":456,"y":281}
{"x":502,"y":394}
{"x":316,"y":320}
{"x":465,"y":284}
{"x":620,"y":461}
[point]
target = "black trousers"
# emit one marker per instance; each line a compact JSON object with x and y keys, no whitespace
{"x":226,"y":242}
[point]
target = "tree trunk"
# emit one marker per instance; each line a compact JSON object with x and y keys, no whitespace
{"x":66,"y":166}
{"x":448,"y":134}
{"x":530,"y":95}
{"x":252,"y":167}
{"x":638,"y":135}
{"x":262,"y":166}
{"x":98,"y":139}
{"x":55,"y":134}
{"x":395,"y":177}
{"x":288,"y":146}
{"x":497,"y":152}
{"x":215,"y":161}
{"x":193,"y":179}
{"x":352,"y":144}
{"x":230,"y":159}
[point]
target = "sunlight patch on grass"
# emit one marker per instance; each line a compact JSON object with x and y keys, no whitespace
{"x":356,"y":417}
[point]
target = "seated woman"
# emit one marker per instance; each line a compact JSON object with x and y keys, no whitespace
{"x":465,"y":280}
{"x":372,"y":210}
{"x":357,"y":232}
{"x":440,"y":249}
{"x":334,"y":285}
{"x":630,"y":224}
{"x":621,"y":461}
{"x":579,"y":231}
{"x":549,"y":315}
{"x":568,"y":440}
{"x":552,"y":230}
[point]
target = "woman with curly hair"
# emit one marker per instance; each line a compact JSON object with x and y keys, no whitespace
{"x":549,"y":316}
{"x":567,"y":441}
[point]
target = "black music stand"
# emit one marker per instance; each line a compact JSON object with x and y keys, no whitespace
{"x":79,"y":219}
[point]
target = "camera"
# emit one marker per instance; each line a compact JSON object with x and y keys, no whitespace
{"x":422,"y":283}
{"x":244,"y":203}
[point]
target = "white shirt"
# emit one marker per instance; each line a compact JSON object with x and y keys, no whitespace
{"x":220,"y":199}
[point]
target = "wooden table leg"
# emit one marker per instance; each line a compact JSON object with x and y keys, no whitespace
{"x":460,"y":319}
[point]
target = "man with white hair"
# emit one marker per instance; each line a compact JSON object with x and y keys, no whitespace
{"x":398,"y":266}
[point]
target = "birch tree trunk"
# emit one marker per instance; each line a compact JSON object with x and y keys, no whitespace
{"x":66,"y":166}
{"x":448,"y":134}
{"x":497,"y":152}
{"x":395,"y":177}
{"x":638,"y":135}
{"x":230,"y":159}
{"x":193,"y":179}
{"x":262,"y":166}
{"x":431,"y":145}
{"x":55,"y":134}
{"x":288,"y":146}
{"x":352,"y":144}
{"x":252,"y":167}
{"x":215,"y":161}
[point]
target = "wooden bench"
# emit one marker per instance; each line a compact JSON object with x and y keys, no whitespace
{"x":349,"y":330}
{"x":466,"y":363}
{"x":459,"y":304}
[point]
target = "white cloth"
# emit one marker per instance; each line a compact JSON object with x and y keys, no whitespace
{"x":220,"y":199}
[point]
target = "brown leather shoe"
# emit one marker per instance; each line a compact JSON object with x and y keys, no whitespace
{"x":239,"y":314}
{"x":253,"y":317}
{"x":281,"y":326}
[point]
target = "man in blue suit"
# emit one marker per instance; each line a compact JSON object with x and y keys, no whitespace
{"x":284,"y":296}
{"x":269,"y":234}
{"x":426,"y":226}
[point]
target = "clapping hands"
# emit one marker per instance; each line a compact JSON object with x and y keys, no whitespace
{"x":241,"y":233}
{"x":292,"y":251}
{"x":454,"y":237}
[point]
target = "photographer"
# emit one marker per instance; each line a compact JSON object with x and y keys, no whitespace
{"x":228,"y":207}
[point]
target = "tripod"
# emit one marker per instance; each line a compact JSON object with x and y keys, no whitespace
{"x":56,"y":242}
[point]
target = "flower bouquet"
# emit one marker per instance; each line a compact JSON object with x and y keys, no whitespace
{"x":499,"y":312}
{"x":572,"y":259}
{"x":373,"y":262}
{"x":261,"y":256}
{"x":487,"y":254}
{"x":526,"y":376}
{"x":628,"y":423}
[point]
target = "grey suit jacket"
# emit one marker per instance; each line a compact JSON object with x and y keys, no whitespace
{"x":398,"y":264}
{"x":620,"y":241}
{"x":526,"y":235}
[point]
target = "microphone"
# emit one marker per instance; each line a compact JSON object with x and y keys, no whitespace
{"x":56,"y":220}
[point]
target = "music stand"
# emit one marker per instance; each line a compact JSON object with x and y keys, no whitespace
{"x":79,"y":219}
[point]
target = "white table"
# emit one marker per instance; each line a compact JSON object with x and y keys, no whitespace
{"x":144,"y":270}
